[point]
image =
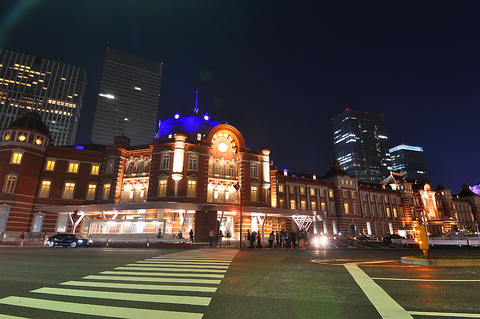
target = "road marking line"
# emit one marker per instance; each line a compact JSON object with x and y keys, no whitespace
{"x":193,"y":262}
{"x":160,"y":274}
{"x":209,"y":260}
{"x":184,"y":300}
{"x":163,"y":268}
{"x":413,"y":279}
{"x":385,"y":305}
{"x":138,"y":286}
{"x":150,"y":279}
{"x":149,"y":263}
{"x":445,"y":314}
{"x":97,"y":310}
{"x":10,"y":317}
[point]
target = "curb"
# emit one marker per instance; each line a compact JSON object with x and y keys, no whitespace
{"x":441,"y":262}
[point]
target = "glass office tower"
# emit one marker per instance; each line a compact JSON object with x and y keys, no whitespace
{"x":361,"y":145}
{"x":128,"y":99}
{"x":410,"y":162}
{"x":52,"y":89}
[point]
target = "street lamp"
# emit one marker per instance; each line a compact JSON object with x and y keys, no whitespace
{"x":239,"y":189}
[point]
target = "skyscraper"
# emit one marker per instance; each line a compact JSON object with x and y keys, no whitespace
{"x":361,"y":145}
{"x":128,"y":99}
{"x":410,"y":162}
{"x":52,"y":89}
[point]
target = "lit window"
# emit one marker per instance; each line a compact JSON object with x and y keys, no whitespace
{"x":303,"y":205}
{"x":292,"y":189}
{"x":110,"y":166}
{"x":281,"y":203}
{"x":16,"y":158}
{"x":95,"y":169}
{"x":324,"y":206}
{"x":45,"y":189}
{"x":199,"y":137}
{"x":312,"y":191}
{"x":254,"y":193}
{"x":313,"y":205}
{"x":345,"y":205}
{"x":10,"y":182}
{"x":292,"y":204}
{"x":162,"y":188}
{"x":106,"y":191}
{"x":68,"y":190}
{"x":191,"y":188}
{"x":330,"y":193}
{"x":302,"y":190}
{"x":50,"y":166}
{"x":280,"y":189}
{"x":91,"y":191}
{"x":73,"y":167}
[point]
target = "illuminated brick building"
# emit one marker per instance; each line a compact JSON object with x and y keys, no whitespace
{"x":53,"y":89}
{"x":199,"y":174}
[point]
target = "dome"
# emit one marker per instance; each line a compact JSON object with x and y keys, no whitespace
{"x":191,"y":126}
{"x":31,"y":121}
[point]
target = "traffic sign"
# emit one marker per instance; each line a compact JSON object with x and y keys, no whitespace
{"x":418,"y":209}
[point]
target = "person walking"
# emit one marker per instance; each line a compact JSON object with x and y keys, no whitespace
{"x":220,"y":238}
{"x":191,"y":235}
{"x":210,"y":236}
{"x":22,"y":238}
{"x":277,"y":237}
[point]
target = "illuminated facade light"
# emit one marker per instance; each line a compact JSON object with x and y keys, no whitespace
{"x":108,"y":96}
{"x":177,"y":116}
{"x":206,"y":117}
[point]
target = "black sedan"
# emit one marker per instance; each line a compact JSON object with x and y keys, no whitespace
{"x":72,"y":240}
{"x":392,"y":236}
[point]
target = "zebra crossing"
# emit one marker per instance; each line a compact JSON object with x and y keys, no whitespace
{"x":178,"y":285}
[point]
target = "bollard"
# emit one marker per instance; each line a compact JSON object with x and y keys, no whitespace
{"x":282,"y":244}
{"x":291,"y":244}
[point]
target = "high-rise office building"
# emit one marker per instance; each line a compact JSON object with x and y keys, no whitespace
{"x":410,"y":162}
{"x":361,"y":145}
{"x":128,"y":99}
{"x":52,"y":89}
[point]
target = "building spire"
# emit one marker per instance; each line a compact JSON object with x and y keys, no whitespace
{"x":196,"y":99}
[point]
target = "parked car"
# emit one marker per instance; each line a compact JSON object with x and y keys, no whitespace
{"x":392,"y":236}
{"x":72,"y":240}
{"x":362,"y":237}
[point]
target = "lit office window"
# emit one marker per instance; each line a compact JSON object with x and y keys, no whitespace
{"x":106,"y":191}
{"x":95,"y":169}
{"x":73,"y":167}
{"x":91,"y":191}
{"x":191,"y":188}
{"x":10,"y":183}
{"x":16,"y":158}
{"x":45,"y":189}
{"x":162,"y":188}
{"x":68,"y":190}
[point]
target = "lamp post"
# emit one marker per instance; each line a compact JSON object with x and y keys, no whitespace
{"x":239,"y":189}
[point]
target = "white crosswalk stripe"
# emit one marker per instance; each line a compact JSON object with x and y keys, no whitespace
{"x":180,"y":279}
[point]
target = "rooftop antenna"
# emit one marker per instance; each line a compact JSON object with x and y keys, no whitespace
{"x":196,"y":99}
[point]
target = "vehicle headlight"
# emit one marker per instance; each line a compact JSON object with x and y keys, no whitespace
{"x":323,"y":240}
{"x":80,"y":241}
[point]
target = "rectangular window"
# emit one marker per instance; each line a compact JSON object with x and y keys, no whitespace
{"x":345,"y":205}
{"x":355,"y":208}
{"x":312,"y":191}
{"x":73,"y":167}
{"x":62,"y":222}
{"x":10,"y":182}
{"x":369,"y":229}
{"x":353,"y":194}
{"x":280,"y":189}
{"x":254,"y":193}
{"x":303,"y":205}
{"x":4,"y":210}
{"x":162,"y":188}
{"x":91,"y":191}
{"x":322,"y":192}
{"x":281,"y":203}
{"x":106,"y":191}
{"x":345,"y":194}
{"x":45,"y":189}
{"x":50,"y":165}
{"x":37,"y":223}
{"x":313,"y":205}
{"x":395,"y":212}
{"x":193,"y":162}
{"x":16,"y":158}
{"x":68,"y":190}
{"x":110,"y":166}
{"x":253,"y":170}
{"x":292,"y":189}
{"x":302,"y":190}
{"x":332,"y":208}
{"x":323,"y":206}
{"x":165,"y":163}
{"x":388,"y":211}
{"x":365,"y":210}
{"x":330,"y":193}
{"x":95,"y":169}
{"x":191,"y":188}
{"x":292,"y":204}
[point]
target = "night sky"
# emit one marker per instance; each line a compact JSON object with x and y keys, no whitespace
{"x":280,"y":70}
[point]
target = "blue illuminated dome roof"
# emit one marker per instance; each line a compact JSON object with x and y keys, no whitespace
{"x":191,"y":126}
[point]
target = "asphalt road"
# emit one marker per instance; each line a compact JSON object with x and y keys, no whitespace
{"x":343,"y":280}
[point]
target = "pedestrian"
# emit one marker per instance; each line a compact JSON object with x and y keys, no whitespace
{"x":45,"y":237}
{"x":210,"y":236}
{"x":252,"y":239}
{"x":271,"y":239}
{"x":259,"y":240}
{"x":228,"y":237}
{"x":22,"y":238}
{"x":277,"y":237}
{"x":159,"y":234}
{"x":220,"y":238}
{"x":191,"y":235}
